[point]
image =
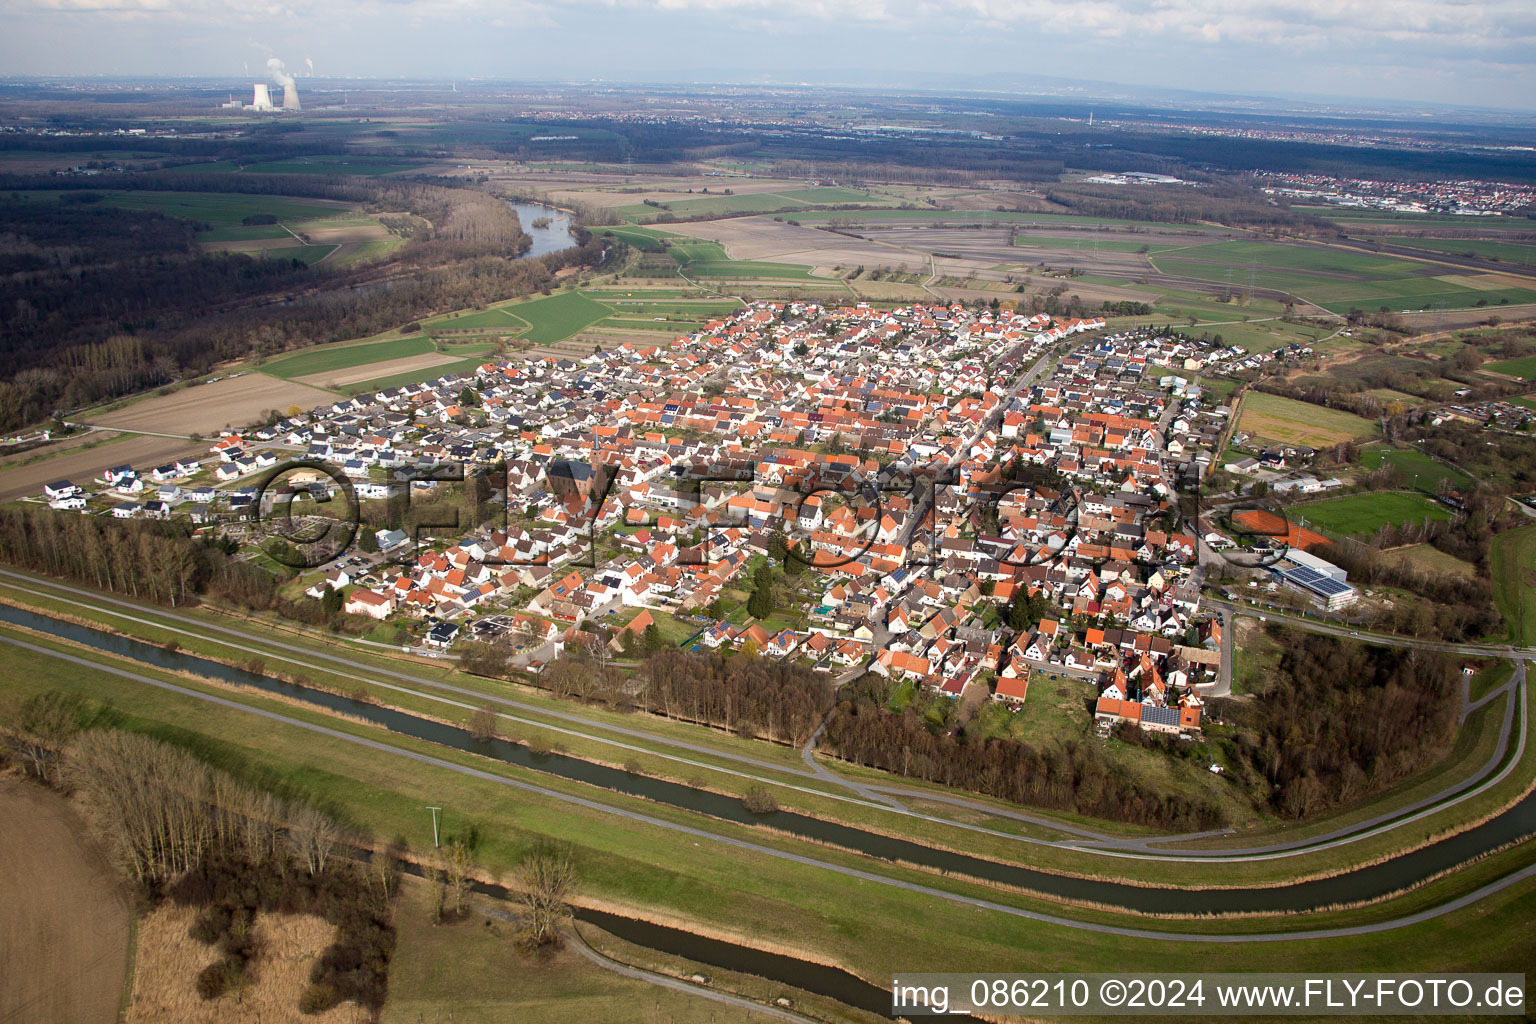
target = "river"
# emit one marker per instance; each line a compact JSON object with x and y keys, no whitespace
{"x":553,"y":237}
{"x":1364,"y":883}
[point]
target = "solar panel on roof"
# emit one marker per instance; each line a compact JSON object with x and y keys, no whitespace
{"x":1160,"y":716}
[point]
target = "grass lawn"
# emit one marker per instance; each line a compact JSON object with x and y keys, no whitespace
{"x":1411,"y":463}
{"x":473,"y":970}
{"x":395,"y":380}
{"x":1488,"y":678}
{"x":1513,"y":558}
{"x":1366,"y":513}
{"x":829,"y":194}
{"x":329,"y":358}
{"x":1284,"y":419}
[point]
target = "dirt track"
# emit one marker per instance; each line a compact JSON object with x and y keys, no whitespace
{"x":63,"y":918}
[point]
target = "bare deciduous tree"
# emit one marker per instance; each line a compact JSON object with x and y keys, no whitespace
{"x":545,"y":881}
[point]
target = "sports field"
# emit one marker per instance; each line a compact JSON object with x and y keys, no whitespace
{"x":1360,"y":514}
{"x":1274,"y":418}
{"x":1413,"y":464}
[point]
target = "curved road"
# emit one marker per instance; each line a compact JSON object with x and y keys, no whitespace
{"x":768,"y":851}
{"x":867,"y":794}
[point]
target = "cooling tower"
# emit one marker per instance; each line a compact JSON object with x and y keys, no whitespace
{"x":261,"y":99}
{"x":291,"y":96}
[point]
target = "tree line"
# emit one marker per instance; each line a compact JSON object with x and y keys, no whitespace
{"x":1076,"y":777}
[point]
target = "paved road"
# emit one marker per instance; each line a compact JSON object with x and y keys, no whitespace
{"x":866,"y":794}
{"x":702,"y":835}
{"x":1386,"y":639}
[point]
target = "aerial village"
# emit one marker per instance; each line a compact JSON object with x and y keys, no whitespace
{"x":973,"y":496}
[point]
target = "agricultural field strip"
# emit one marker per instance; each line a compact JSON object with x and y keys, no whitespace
{"x":805,"y":860}
{"x":1070,"y":844}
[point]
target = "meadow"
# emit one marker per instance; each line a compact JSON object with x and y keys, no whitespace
{"x":1361,"y":514}
{"x":1274,"y":418}
{"x":1413,"y":464}
{"x":1524,"y":367}
{"x":1513,"y":561}
{"x":559,"y":316}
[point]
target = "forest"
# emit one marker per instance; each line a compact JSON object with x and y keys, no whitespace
{"x":1343,"y":720}
{"x":85,"y":315}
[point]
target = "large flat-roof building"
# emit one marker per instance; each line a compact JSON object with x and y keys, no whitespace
{"x":1318,"y":578}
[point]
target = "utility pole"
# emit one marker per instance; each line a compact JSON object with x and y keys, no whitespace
{"x":434,"y":811}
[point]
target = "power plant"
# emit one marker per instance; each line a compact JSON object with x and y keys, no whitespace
{"x":261,"y":92}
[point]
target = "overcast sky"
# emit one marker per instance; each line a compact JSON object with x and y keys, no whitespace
{"x":1474,"y":53}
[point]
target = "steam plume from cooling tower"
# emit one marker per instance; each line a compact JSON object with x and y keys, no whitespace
{"x":279,"y":72}
{"x":280,"y":75}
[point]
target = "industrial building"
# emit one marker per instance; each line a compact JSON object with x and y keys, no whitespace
{"x":1318,"y":578}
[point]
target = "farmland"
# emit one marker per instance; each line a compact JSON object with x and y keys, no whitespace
{"x":233,"y":402}
{"x":1483,"y":248}
{"x":310,"y":230}
{"x":86,"y":462}
{"x":331,"y":358}
{"x":1524,"y":367}
{"x":559,"y":316}
{"x":1341,"y":279}
{"x":1362,"y":514}
{"x":65,"y":937}
{"x":1274,"y":418}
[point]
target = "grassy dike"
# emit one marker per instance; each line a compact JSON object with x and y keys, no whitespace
{"x":658,"y":873}
{"x":734,"y":778}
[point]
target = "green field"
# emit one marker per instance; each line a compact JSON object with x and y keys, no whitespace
{"x":1483,"y":248}
{"x":414,"y":376}
{"x":1360,"y":514}
{"x":330,"y":358}
{"x":829,"y":194}
{"x":244,"y":233}
{"x":216,"y":209}
{"x":365,"y":165}
{"x":310,"y":254}
{"x":1275,"y":418}
{"x":490,"y":319}
{"x":1524,"y":367}
{"x":643,"y":239}
{"x":1336,"y":279}
{"x":558,"y":317}
{"x":1411,"y":463}
{"x":1513,"y":561}
{"x":707,"y":206}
